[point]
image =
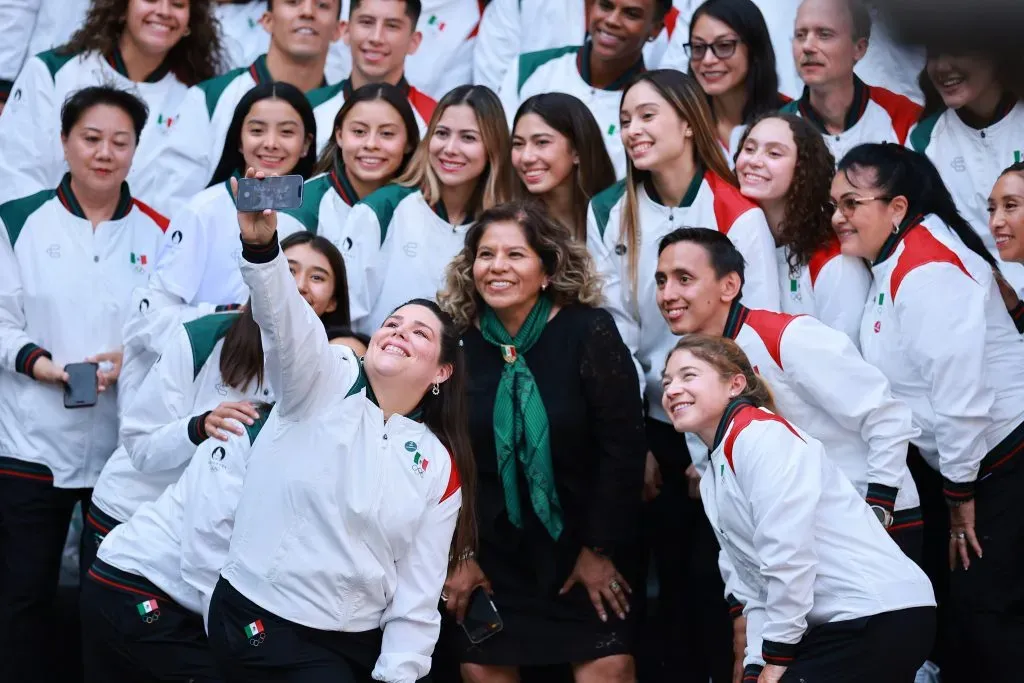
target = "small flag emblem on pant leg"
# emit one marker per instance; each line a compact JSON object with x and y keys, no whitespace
{"x":148,"y":611}
{"x":254,"y":632}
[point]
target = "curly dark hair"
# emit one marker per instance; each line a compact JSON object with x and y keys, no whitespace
{"x":808,"y":222}
{"x":196,"y":57}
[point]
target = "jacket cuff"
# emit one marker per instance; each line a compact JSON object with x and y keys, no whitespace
{"x":223,"y":308}
{"x":957,"y":492}
{"x":261,"y":253}
{"x":751,"y":672}
{"x":779,"y":654}
{"x":5,"y":89}
{"x":27,"y":358}
{"x":1017,"y":313}
{"x":735,"y":606}
{"x":882,"y":496}
{"x":197,"y":428}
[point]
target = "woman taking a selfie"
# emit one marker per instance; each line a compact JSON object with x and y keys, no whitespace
{"x":826,"y":591}
{"x":556,"y":155}
{"x":559,"y":498}
{"x":155,"y":49}
{"x":375,"y":134}
{"x":398,"y":241}
{"x":784,"y":165}
{"x":69,"y":260}
{"x":376,"y":444}
{"x":211,"y":371}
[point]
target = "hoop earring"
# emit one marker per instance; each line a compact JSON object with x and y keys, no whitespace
{"x":436,"y":390}
{"x":895,"y":229}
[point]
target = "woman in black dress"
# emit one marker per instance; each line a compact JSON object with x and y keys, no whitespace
{"x":557,"y":430}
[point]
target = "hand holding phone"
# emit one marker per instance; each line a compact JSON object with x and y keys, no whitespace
{"x":257,"y":227}
{"x":82,"y":385}
{"x":274,"y":193}
{"x":482,"y":619}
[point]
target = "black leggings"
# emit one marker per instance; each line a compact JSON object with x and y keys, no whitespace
{"x":284,"y":652}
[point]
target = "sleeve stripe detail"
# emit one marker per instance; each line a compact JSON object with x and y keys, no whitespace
{"x":197,"y":428}
{"x":781,"y":654}
{"x":261,"y":253}
{"x":28,"y":356}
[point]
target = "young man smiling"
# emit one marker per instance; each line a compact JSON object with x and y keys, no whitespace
{"x":595,"y":72}
{"x":865,"y":431}
{"x":380,"y":34}
{"x":829,"y":38}
{"x":301,"y":31}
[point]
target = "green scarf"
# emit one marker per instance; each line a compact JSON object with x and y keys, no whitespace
{"x":521,"y":421}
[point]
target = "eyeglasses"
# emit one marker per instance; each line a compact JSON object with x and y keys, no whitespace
{"x":847,"y":205}
{"x":723,"y":49}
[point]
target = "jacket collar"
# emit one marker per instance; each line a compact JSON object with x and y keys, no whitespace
{"x":363,"y":382}
{"x":442,"y":213}
{"x":861,"y":98}
{"x":738,"y":314}
{"x":691,"y":191}
{"x":1003,"y":109}
{"x":734,"y":407}
{"x":347,"y":89}
{"x":116,"y":61}
{"x":341,"y":184}
{"x":70,"y":202}
{"x":893,"y":241}
{"x":583,"y":66}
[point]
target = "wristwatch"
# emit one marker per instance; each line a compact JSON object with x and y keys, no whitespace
{"x":883,"y":515}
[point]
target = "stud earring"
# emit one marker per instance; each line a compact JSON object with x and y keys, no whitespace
{"x":436,"y":390}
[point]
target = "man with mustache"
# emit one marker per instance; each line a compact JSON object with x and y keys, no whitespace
{"x":829,"y":38}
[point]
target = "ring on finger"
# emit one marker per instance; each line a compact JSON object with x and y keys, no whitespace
{"x":961,"y":536}
{"x":444,"y":596}
{"x":614,"y":585}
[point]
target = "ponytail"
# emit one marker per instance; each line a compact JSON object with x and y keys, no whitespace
{"x":903,"y":172}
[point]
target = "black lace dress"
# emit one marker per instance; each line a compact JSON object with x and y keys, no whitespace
{"x":589,"y":386}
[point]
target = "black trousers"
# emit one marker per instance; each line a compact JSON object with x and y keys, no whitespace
{"x":34,"y":518}
{"x":884,"y":648}
{"x":986,"y":602}
{"x":284,"y":652}
{"x":96,"y":525}
{"x":691,"y":629}
{"x":132,"y":632}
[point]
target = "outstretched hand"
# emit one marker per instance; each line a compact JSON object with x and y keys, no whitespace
{"x":256,"y":227}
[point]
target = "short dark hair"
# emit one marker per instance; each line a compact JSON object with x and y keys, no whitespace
{"x":81,"y":101}
{"x":231,"y":159}
{"x":724,"y":256}
{"x":1017,"y":167}
{"x":270,"y":6}
{"x":413,"y":9}
{"x":860,"y":19}
{"x":662,"y":8}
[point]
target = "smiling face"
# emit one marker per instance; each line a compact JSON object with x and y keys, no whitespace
{"x":690,"y":295}
{"x":619,"y":28}
{"x":408,"y":346}
{"x":963,"y":79}
{"x":457,"y":153}
{"x":303,"y":29}
{"x":864,"y":218}
{"x":99,"y":149}
{"x":1006,"y":216}
{"x":380,"y":35}
{"x":823,"y":45}
{"x":654,"y":134}
{"x":542,"y":157}
{"x":313,"y":276}
{"x":718,"y":76}
{"x":507,"y":272}
{"x":767,"y":161}
{"x":155,"y":26}
{"x":695,"y":395}
{"x":373,"y":141}
{"x":273,"y":137}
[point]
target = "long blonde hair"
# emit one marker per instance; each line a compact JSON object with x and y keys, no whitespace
{"x":497,"y":182}
{"x":728,"y":359}
{"x":683,"y":93}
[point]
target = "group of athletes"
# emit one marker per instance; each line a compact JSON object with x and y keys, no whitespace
{"x":583,"y":296}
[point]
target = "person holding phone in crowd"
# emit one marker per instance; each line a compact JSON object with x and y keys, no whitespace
{"x":559,"y":493}
{"x":69,"y":260}
{"x":398,"y":240}
{"x":828,"y":591}
{"x":785,"y":166}
{"x":375,"y":135}
{"x":557,"y":158}
{"x":154,"y":49}
{"x":377,"y":443}
{"x":894,"y":211}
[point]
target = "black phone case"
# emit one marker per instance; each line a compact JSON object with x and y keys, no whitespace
{"x":78,"y":392}
{"x":482,"y":619}
{"x":276,"y":192}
